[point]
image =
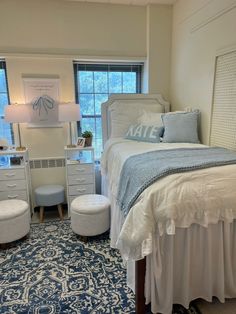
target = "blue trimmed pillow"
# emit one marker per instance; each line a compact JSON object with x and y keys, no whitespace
{"x":181,"y":127}
{"x":144,"y":133}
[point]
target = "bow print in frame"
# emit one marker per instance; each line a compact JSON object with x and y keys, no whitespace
{"x":42,"y":96}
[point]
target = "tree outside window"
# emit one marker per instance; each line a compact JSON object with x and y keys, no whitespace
{"x":5,"y":128}
{"x":94,"y":84}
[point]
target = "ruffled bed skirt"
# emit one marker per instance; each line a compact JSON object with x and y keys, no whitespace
{"x":195,"y":262}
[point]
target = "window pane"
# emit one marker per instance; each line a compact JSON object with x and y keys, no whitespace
{"x":95,"y":126}
{"x":3,"y":85}
{"x":98,"y":138}
{"x":100,"y":82}
{"x":5,"y":128}
{"x":99,"y":99}
{"x":129,"y":82}
{"x":115,"y":82}
{"x":3,"y":102}
{"x":85,"y":79}
{"x":95,"y":83}
{"x":5,"y":131}
{"x":98,"y":122}
{"x":98,"y":148}
{"x":88,"y":124}
{"x":86,"y":102}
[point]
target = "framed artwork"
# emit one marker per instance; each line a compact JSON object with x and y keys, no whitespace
{"x":42,"y":97}
{"x":80,"y":141}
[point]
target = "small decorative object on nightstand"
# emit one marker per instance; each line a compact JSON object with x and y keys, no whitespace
{"x":80,"y":172}
{"x":88,"y":135}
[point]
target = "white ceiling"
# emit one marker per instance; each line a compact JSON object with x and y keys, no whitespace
{"x":129,"y":2}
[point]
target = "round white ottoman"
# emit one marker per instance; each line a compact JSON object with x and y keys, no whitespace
{"x":90,"y":214}
{"x":14,"y":220}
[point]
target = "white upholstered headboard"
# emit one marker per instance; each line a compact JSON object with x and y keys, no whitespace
{"x":131,"y":105}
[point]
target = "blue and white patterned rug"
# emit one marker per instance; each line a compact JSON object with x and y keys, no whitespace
{"x":54,"y":272}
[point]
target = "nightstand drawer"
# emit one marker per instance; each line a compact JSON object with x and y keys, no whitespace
{"x":12,"y":185}
{"x":80,"y":168}
{"x":81,"y":179}
{"x":11,"y":174}
{"x":12,"y":195}
{"x":81,"y":189}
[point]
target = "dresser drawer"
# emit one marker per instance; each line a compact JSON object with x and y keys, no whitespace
{"x":11,"y":174}
{"x":81,"y":179}
{"x":11,"y":195}
{"x":80,"y":168}
{"x":12,"y":185}
{"x":81,"y":189}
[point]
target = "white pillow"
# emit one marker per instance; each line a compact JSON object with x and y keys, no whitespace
{"x":151,"y":118}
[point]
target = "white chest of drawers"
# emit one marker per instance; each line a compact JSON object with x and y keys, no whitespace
{"x":14,"y":179}
{"x":80,"y":172}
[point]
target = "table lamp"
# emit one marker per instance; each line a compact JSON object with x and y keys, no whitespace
{"x":17,"y":114}
{"x":69,"y":112}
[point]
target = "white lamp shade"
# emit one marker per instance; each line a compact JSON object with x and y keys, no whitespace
{"x":17,"y":114}
{"x":69,"y":112}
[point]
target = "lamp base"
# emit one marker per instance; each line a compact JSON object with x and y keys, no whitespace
{"x":20,"y":148}
{"x":71,"y":146}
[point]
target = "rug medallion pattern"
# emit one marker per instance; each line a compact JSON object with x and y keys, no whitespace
{"x":53,"y":272}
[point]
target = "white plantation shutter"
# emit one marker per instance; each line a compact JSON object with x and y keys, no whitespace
{"x":223,"y":124}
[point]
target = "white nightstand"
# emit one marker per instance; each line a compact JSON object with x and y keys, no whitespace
{"x":14,"y":175}
{"x":80,"y":172}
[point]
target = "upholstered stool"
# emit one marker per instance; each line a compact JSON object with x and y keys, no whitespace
{"x":90,"y":214}
{"x":14,"y":220}
{"x":49,"y":195}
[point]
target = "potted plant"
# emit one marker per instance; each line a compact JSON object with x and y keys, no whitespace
{"x":88,"y":135}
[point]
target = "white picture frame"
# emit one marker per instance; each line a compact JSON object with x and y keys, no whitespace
{"x":80,"y":142}
{"x":42,"y":97}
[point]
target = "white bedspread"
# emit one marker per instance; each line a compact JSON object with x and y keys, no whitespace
{"x":204,"y":197}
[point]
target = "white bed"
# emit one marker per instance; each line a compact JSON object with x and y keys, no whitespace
{"x":189,"y":256}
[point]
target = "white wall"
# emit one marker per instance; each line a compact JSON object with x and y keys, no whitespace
{"x":42,"y":142}
{"x":43,"y":37}
{"x":159,"y":28}
{"x":64,"y":27}
{"x":200,"y":30}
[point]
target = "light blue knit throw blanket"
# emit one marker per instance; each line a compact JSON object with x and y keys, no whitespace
{"x":140,"y":171}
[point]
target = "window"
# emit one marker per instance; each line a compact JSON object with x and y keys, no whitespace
{"x":94,"y":83}
{"x":5,"y":128}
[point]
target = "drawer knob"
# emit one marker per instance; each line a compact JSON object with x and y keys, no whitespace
{"x":81,"y":190}
{"x":11,"y":185}
{"x":80,"y":180}
{"x":12,"y":196}
{"x":10,"y":174}
{"x":80,"y":169}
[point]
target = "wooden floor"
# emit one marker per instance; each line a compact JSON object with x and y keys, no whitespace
{"x":229,"y":307}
